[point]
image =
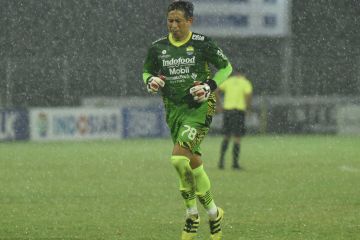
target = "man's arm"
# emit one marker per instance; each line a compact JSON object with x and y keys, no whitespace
{"x":201,"y":92}
{"x":222,"y":74}
{"x":150,"y":66}
{"x":215,"y":56}
{"x":146,"y":76}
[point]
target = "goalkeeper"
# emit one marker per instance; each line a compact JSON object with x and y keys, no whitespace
{"x":177,"y":67}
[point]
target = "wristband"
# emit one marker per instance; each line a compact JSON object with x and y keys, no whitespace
{"x":212,"y":84}
{"x":147,"y":80}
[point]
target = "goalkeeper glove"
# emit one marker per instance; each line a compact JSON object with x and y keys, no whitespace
{"x":155,"y":83}
{"x":201,"y":91}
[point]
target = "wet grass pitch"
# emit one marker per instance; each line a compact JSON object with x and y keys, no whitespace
{"x":293,"y":187}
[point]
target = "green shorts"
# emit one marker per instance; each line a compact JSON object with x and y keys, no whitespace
{"x":189,"y":125}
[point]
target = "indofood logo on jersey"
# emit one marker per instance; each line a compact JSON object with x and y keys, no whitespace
{"x":175,"y":62}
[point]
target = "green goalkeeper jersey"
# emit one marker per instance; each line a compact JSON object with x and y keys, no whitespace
{"x":182,"y":64}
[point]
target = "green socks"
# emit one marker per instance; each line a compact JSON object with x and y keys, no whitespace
{"x":187,"y":180}
{"x":194,"y":182}
{"x":203,"y":188}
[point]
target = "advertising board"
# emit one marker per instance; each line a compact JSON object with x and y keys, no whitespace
{"x":242,"y":18}
{"x":144,"y":122}
{"x":75,"y":123}
{"x":348,"y":119}
{"x":14,"y":124}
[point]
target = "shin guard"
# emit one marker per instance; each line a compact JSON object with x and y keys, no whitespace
{"x":187,"y":180}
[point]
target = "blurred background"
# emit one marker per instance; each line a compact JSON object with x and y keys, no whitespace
{"x":58,"y":53}
{"x":72,"y":70}
{"x":53,"y":53}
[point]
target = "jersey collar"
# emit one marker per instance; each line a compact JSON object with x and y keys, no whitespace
{"x":179,"y":43}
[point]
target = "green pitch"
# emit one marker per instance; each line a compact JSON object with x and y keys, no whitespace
{"x":294,"y":187}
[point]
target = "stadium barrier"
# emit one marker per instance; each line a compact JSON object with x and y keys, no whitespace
{"x":144,"y":122}
{"x":103,"y":118}
{"x":348,"y":119}
{"x":75,"y":123}
{"x":270,"y":114}
{"x":14,"y":124}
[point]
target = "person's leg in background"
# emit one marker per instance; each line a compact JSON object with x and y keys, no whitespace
{"x":236,"y":153}
{"x":226,"y":138}
{"x":239,"y":131}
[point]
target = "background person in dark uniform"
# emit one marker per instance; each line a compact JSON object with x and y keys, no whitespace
{"x":237,"y":91}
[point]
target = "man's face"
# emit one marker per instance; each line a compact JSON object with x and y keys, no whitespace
{"x":178,"y":25}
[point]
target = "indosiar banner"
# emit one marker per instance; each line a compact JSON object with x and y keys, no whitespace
{"x":75,"y":123}
{"x":14,"y":124}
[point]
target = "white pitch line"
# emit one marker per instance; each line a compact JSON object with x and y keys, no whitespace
{"x":346,"y":168}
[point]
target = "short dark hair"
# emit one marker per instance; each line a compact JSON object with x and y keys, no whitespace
{"x":185,"y":6}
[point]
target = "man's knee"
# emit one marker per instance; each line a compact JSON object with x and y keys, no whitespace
{"x":180,"y":163}
{"x":182,"y":166}
{"x":193,"y":158}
